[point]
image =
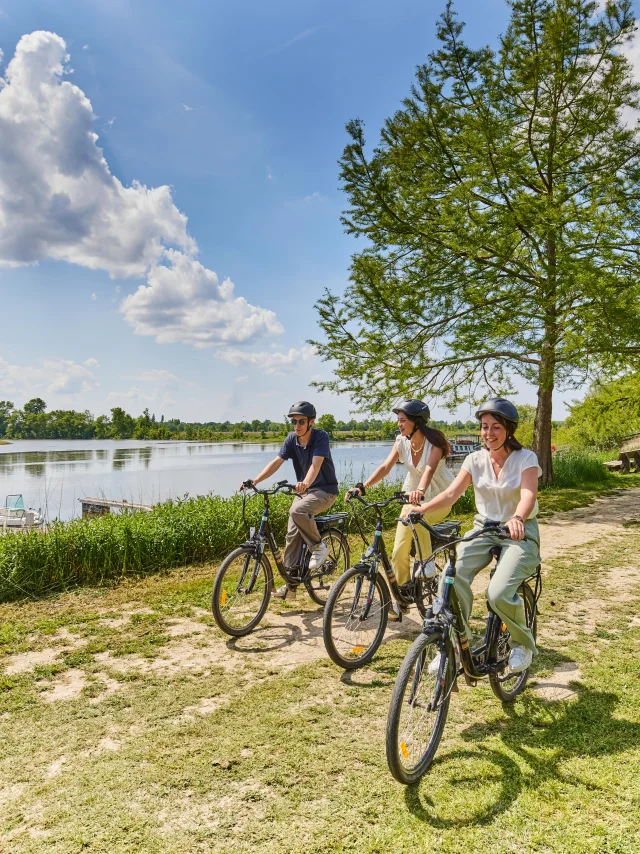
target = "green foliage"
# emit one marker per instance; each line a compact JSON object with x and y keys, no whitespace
{"x":502,"y":218}
{"x":35,"y":406}
{"x":177,"y":533}
{"x":609,"y":413}
{"x":6,"y":408}
{"x":575,"y":470}
{"x":327,"y":422}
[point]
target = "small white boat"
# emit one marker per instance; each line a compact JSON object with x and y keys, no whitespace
{"x":15,"y":515}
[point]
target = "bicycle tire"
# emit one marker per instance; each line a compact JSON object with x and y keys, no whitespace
{"x":399,"y":736}
{"x":316,"y":580}
{"x":219,"y":591}
{"x":348,"y":653}
{"x":500,"y":650}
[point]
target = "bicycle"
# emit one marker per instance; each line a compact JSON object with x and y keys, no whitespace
{"x":357,"y":610}
{"x":416,"y":720}
{"x":244,"y":583}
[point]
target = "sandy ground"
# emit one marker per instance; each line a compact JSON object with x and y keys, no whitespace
{"x":294,"y":637}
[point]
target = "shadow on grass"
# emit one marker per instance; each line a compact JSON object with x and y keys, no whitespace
{"x":541,"y":735}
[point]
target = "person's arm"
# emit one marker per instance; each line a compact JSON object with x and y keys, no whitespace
{"x":311,"y":475}
{"x":449,"y":496}
{"x":433,"y":462}
{"x":381,"y":472}
{"x":268,"y":470}
{"x":528,"y":496}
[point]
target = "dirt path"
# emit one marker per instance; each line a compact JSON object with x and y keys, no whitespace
{"x":293,"y":637}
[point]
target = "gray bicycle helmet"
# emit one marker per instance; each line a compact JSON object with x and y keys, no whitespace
{"x":413,"y":408}
{"x":302,"y":407}
{"x":498,"y":406}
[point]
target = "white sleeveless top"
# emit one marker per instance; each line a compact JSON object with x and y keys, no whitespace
{"x":442,"y":476}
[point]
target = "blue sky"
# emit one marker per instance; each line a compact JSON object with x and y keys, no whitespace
{"x":239,"y":108}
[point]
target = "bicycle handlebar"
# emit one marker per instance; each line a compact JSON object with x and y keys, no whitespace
{"x":281,"y":486}
{"x":397,"y":496}
{"x":490,"y":527}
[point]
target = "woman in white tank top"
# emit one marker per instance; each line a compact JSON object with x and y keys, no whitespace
{"x":423,"y":450}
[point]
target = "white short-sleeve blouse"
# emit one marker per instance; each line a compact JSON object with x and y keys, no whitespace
{"x":497,"y":497}
{"x":442,"y":476}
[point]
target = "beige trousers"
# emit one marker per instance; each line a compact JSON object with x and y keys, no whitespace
{"x":401,"y":557}
{"x":302,"y":525}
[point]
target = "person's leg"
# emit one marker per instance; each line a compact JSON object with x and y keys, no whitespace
{"x":304,"y":509}
{"x":518,"y":561}
{"x":401,"y":556}
{"x":471,"y":557}
{"x":293,"y":543}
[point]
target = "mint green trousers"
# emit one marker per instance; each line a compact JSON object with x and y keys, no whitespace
{"x":518,"y":561}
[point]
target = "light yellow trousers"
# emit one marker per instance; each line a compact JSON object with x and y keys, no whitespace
{"x":401,"y":557}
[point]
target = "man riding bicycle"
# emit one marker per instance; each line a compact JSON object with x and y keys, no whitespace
{"x":317,"y":488}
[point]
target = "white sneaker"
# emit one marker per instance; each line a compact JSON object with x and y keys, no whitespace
{"x":319,"y":555}
{"x":284,"y":592}
{"x":520,"y":659}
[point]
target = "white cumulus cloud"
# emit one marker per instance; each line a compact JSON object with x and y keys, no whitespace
{"x":279,"y":363}
{"x":91,"y":363}
{"x":156,"y":375}
{"x":184,"y":301}
{"x":59,"y":377}
{"x":59,"y":199}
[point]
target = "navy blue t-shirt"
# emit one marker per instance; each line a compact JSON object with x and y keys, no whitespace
{"x":302,"y":457}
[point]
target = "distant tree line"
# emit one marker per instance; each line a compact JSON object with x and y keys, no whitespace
{"x":33,"y":421}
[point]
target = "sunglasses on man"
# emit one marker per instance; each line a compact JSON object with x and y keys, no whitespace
{"x":295,"y":421}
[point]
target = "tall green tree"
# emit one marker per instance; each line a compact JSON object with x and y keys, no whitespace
{"x":6,"y":408}
{"x":608,"y":414}
{"x":501,"y":213}
{"x":35,"y":406}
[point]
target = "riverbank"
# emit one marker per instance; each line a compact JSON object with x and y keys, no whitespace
{"x":186,"y":741}
{"x":4,"y":442}
{"x":197,"y":530}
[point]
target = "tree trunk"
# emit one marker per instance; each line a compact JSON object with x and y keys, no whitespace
{"x":542,"y":432}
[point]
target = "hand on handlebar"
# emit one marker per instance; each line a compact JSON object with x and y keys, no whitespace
{"x":352,"y":493}
{"x":515,"y":528}
{"x":246,"y":484}
{"x":301,"y":487}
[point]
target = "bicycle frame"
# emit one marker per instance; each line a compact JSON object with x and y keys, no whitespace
{"x":376,"y":552}
{"x":446,"y":614}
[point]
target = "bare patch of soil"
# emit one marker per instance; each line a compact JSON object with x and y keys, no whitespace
{"x":557,"y":687}
{"x":66,"y":686}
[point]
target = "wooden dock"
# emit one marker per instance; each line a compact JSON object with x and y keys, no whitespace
{"x":102,"y":506}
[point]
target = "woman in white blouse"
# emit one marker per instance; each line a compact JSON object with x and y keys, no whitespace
{"x":505,"y":482}
{"x":423,"y":450}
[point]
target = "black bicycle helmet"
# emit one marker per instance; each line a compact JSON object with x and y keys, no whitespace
{"x":498,"y":406}
{"x":413,"y":408}
{"x":302,"y":407}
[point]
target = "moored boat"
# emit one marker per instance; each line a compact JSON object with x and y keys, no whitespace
{"x":15,"y":515}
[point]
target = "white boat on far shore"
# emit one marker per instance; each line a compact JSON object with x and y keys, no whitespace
{"x":15,"y":515}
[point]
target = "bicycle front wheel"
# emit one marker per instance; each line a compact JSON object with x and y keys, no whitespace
{"x":320,"y":581}
{"x":241,"y":591}
{"x":355,"y":617}
{"x":505,"y":684}
{"x":419,"y":706}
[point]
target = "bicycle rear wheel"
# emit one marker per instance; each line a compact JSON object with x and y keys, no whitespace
{"x":353,"y":627}
{"x":238,"y":602}
{"x":320,"y":581}
{"x":505,"y":684}
{"x":419,"y":706}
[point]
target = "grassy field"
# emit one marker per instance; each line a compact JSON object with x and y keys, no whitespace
{"x":129,"y":724}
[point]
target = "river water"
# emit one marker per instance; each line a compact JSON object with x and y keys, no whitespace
{"x":55,"y":474}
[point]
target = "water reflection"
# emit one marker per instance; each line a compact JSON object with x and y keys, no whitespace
{"x":56,"y":474}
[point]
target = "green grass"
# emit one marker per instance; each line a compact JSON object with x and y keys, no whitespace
{"x":292,"y":760}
